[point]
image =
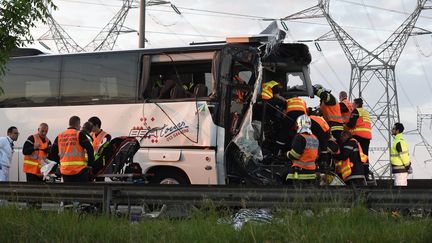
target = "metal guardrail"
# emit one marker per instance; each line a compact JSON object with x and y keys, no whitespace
{"x":109,"y":194}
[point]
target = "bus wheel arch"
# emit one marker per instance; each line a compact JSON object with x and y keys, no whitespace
{"x":168,"y":175}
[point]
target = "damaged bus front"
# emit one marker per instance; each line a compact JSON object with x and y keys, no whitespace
{"x":251,"y":124}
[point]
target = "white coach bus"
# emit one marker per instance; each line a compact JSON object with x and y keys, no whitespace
{"x":187,"y":106}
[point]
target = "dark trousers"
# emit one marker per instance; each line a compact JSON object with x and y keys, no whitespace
{"x":33,"y":178}
{"x":286,"y":132}
{"x":82,"y":176}
{"x":364,"y":144}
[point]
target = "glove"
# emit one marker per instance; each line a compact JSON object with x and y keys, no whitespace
{"x":47,"y":150}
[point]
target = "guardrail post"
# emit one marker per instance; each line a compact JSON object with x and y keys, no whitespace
{"x":107,"y":196}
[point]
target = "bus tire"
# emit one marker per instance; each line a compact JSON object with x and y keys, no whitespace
{"x":170,"y":177}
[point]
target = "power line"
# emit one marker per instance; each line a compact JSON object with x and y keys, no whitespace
{"x":193,"y":27}
{"x":245,"y":16}
{"x":157,"y":22}
{"x":370,"y":21}
{"x":381,"y":8}
{"x":333,"y":71}
{"x":91,"y":28}
{"x":222,"y":13}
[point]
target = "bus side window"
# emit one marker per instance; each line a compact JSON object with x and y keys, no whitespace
{"x":34,"y":82}
{"x":99,"y":78}
{"x":180,"y":80}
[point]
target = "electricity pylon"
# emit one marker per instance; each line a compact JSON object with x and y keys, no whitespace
{"x":107,"y":37}
{"x":104,"y":40}
{"x":418,"y":131}
{"x":372,"y":73}
{"x":64,"y":43}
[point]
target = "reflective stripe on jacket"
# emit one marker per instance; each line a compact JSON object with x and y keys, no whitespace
{"x":296,"y":104}
{"x":267,"y":92}
{"x":331,"y":112}
{"x":33,"y":162}
{"x":399,"y":160}
{"x":71,"y":153}
{"x":307,"y":159}
{"x":343,"y":167}
{"x":363,"y":125}
{"x":98,"y":140}
{"x":346,"y":115}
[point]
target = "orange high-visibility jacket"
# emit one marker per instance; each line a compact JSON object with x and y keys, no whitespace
{"x":346,"y":115}
{"x":343,"y":167}
{"x":363,"y":125}
{"x":71,"y":153}
{"x":33,"y":162}
{"x":296,"y":104}
{"x":310,"y":153}
{"x":331,"y":112}
{"x":98,"y":140}
{"x":323,"y":124}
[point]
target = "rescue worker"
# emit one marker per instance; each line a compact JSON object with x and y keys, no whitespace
{"x":304,"y":152}
{"x":399,"y":156}
{"x":87,"y":129}
{"x":346,"y":107}
{"x":35,"y":150}
{"x":271,"y":95}
{"x":295,"y":107}
{"x":99,"y":136}
{"x":70,"y":148}
{"x":360,"y":125}
{"x":330,"y":109}
{"x":240,"y":94}
{"x":334,"y":150}
{"x":350,"y":161}
{"x":271,"y":112}
{"x":321,"y":130}
{"x":270,"y":90}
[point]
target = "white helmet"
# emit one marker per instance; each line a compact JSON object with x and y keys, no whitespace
{"x":304,"y":124}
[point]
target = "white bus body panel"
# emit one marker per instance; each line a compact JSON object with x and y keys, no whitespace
{"x":198,"y":164}
{"x":176,"y":125}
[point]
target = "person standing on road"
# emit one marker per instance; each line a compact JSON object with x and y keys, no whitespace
{"x":99,"y":136}
{"x":35,"y":151}
{"x":70,"y":148}
{"x":361,"y":128}
{"x":6,"y":152}
{"x":399,"y":156}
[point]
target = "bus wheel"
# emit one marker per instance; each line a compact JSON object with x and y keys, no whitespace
{"x":169,"y":177}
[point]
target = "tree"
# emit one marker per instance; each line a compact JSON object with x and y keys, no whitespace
{"x":16,"y":19}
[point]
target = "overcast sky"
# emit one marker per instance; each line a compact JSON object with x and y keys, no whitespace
{"x":369,"y":22}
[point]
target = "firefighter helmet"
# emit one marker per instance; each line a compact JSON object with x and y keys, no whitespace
{"x":304,"y":124}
